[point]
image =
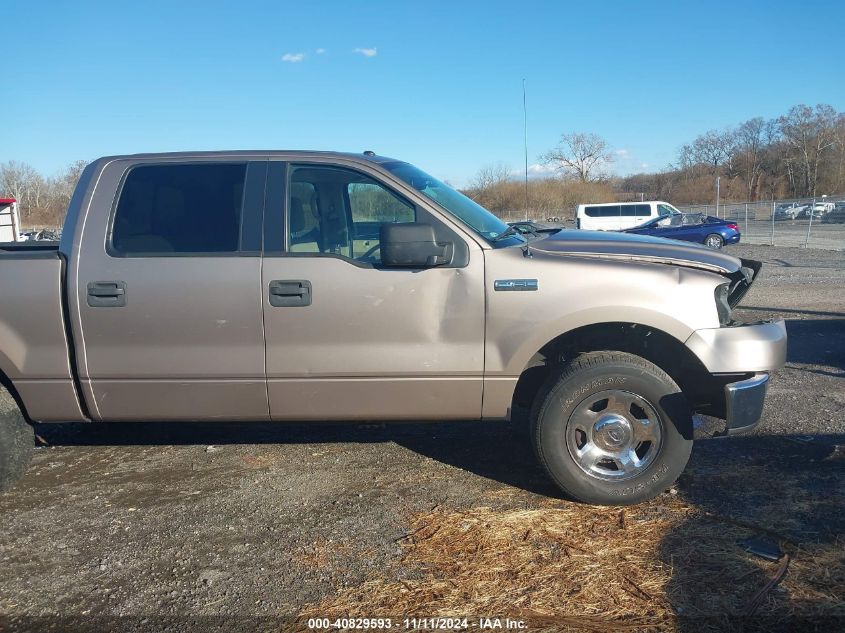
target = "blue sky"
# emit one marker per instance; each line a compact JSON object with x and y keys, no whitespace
{"x":435,"y":83}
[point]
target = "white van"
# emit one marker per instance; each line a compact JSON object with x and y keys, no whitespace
{"x":9,"y":222}
{"x":615,"y":216}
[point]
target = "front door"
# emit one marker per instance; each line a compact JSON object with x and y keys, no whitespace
{"x":348,"y":338}
{"x":168,"y":292}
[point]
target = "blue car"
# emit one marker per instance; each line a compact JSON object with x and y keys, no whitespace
{"x":691,"y":227}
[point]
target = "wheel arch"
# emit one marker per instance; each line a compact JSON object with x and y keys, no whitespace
{"x":6,"y":382}
{"x":646,"y":341}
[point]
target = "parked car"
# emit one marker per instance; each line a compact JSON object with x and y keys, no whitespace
{"x":616,"y":216}
{"x":837,"y":216}
{"x":41,"y":235}
{"x":180,"y":291}
{"x":789,"y":211}
{"x":692,"y":227}
{"x":817,"y":209}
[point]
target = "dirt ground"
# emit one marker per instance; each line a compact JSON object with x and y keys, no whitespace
{"x":258,"y":527}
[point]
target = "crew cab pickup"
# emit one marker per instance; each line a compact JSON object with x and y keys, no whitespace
{"x":315,"y":286}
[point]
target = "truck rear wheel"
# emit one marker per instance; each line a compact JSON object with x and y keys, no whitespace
{"x":612,"y":428}
{"x":17,"y":439}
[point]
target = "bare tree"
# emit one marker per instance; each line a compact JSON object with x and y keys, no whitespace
{"x":810,"y":133}
{"x":714,"y":148}
{"x":750,"y":145}
{"x":63,"y":185}
{"x":839,"y":167}
{"x":490,"y":176}
{"x":22,"y":182}
{"x":581,"y":154}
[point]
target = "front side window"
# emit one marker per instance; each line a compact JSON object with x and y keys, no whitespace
{"x":339,"y":211}
{"x":179,"y":209}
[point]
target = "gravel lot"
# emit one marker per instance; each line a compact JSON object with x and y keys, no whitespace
{"x":197,"y":526}
{"x":793,"y":233}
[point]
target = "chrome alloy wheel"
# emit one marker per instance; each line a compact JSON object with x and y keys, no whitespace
{"x":714,"y":241}
{"x":614,"y":435}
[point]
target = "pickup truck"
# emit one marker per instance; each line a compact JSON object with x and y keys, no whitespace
{"x":319,"y":286}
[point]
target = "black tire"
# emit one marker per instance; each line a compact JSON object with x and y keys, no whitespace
{"x":714,"y":240}
{"x":17,"y":439}
{"x":554,"y":426}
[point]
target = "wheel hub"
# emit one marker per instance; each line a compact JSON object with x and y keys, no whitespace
{"x":614,"y":435}
{"x":612,"y":432}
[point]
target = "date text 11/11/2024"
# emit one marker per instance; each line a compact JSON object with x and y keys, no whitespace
{"x":416,"y":624}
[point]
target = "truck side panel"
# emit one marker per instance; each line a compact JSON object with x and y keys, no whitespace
{"x":34,"y":355}
{"x":187,"y":342}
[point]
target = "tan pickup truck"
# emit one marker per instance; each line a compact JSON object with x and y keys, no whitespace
{"x":315,"y":286}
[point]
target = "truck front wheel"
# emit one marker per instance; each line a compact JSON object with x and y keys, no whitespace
{"x":17,"y":439}
{"x":612,"y":428}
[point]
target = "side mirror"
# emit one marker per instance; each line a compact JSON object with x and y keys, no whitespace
{"x":412,"y":245}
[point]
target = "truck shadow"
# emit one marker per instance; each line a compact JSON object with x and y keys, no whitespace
{"x":499,"y":451}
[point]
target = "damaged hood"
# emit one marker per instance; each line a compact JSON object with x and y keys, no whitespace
{"x":657,"y":250}
{"x":640,"y":248}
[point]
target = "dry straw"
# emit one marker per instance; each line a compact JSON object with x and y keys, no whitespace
{"x":575,"y":567}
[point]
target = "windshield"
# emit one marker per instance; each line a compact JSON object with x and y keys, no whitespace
{"x":467,"y":211}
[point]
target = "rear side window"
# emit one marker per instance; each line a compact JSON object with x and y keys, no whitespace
{"x":179,"y":209}
{"x":633,"y":210}
{"x":602,"y":212}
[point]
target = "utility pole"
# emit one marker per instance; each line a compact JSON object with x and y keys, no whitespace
{"x":525,"y":141}
{"x":715,"y":171}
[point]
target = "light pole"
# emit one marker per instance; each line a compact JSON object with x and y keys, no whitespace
{"x":717,"y":195}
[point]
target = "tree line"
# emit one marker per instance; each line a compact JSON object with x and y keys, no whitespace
{"x":42,"y":200}
{"x":800,"y":154}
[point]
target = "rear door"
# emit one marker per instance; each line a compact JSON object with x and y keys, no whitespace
{"x":635,"y":214}
{"x":348,"y":338}
{"x":612,"y":217}
{"x":167,"y":290}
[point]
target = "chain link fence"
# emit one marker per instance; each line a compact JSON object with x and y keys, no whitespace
{"x":799,"y":222}
{"x":805,"y":222}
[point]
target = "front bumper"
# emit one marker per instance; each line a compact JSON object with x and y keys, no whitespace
{"x":741,"y":349}
{"x":744,"y":403}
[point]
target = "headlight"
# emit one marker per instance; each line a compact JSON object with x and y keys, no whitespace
{"x":723,"y":308}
